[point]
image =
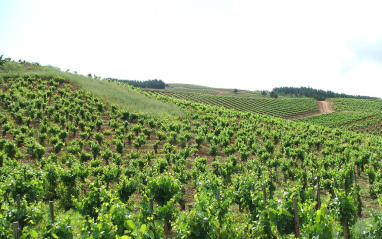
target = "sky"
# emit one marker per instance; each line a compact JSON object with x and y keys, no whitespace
{"x":243,"y":44}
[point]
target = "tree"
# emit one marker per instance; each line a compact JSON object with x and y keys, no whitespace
{"x":264,"y":93}
{"x":154,"y":84}
{"x":2,"y":61}
{"x":274,"y":95}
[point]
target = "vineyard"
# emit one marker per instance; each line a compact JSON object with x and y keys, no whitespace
{"x":338,"y":119}
{"x":358,"y":115}
{"x":282,"y":108}
{"x":186,"y":88}
{"x":359,"y":105}
{"x":76,"y":166}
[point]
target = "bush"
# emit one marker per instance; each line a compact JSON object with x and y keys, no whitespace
{"x":163,"y":187}
{"x":126,"y":188}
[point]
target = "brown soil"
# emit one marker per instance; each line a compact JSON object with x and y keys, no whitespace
{"x":325,"y":106}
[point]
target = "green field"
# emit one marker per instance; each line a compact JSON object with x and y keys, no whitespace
{"x":360,"y":105}
{"x":358,"y":115}
{"x":283,"y":108}
{"x":171,"y":167}
{"x":187,"y":88}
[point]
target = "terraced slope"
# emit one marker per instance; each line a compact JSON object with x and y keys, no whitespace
{"x":187,"y":88}
{"x":111,"y":172}
{"x":358,"y":115}
{"x":359,"y":105}
{"x":282,"y":108}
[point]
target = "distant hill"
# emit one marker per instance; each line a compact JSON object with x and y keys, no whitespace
{"x":314,"y":93}
{"x":241,"y":100}
{"x":154,"y":84}
{"x":358,"y":115}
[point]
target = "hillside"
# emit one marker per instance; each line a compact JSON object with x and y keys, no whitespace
{"x":358,"y":115}
{"x":244,"y":101}
{"x":189,"y":88}
{"x":119,"y":94}
{"x":176,"y":169}
{"x":350,"y":113}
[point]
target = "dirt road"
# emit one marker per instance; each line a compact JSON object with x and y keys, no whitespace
{"x":325,"y":106}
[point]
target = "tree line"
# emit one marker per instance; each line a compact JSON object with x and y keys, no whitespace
{"x":154,"y":84}
{"x":314,"y":93}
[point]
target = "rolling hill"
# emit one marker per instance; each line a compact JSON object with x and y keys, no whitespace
{"x":120,"y":162}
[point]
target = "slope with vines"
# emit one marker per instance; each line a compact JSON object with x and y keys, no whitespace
{"x":274,"y":107}
{"x":113,"y":172}
{"x":358,"y":115}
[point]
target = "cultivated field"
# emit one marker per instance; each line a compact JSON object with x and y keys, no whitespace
{"x":177,"y":169}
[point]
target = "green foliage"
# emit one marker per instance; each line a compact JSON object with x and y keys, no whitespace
{"x":95,"y":148}
{"x":345,"y":207}
{"x":285,"y":107}
{"x":91,"y":205}
{"x":10,"y":149}
{"x":361,"y":105}
{"x":23,"y":180}
{"x":50,"y":181}
{"x":155,"y":84}
{"x":317,"y":223}
{"x":126,"y":188}
{"x":282,"y":216}
{"x":202,"y":221}
{"x":42,"y":161}
{"x":58,"y":146}
{"x":199,"y":139}
{"x":247,"y":194}
{"x":213,"y":150}
{"x":27,"y":215}
{"x":200,"y":164}
{"x":161,"y":165}
{"x":162,"y":188}
{"x":160,"y":134}
{"x":106,"y":155}
{"x":98,"y":137}
{"x":68,"y":178}
{"x":84,"y":157}
{"x":119,"y":146}
{"x":61,"y":228}
{"x":374,"y":229}
{"x":273,"y":94}
{"x":110,"y":173}
{"x":313,"y":93}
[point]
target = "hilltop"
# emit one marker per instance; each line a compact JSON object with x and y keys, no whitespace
{"x":122,"y":96}
{"x":317,"y":94}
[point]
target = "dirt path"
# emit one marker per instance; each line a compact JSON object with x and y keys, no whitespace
{"x":324,"y":107}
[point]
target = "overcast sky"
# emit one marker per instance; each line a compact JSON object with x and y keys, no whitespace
{"x":244,"y":44}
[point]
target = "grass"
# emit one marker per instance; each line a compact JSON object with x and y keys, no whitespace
{"x":358,"y":229}
{"x":189,"y":86}
{"x":200,"y":87}
{"x":124,"y":97}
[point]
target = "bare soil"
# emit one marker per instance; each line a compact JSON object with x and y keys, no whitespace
{"x":325,"y":107}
